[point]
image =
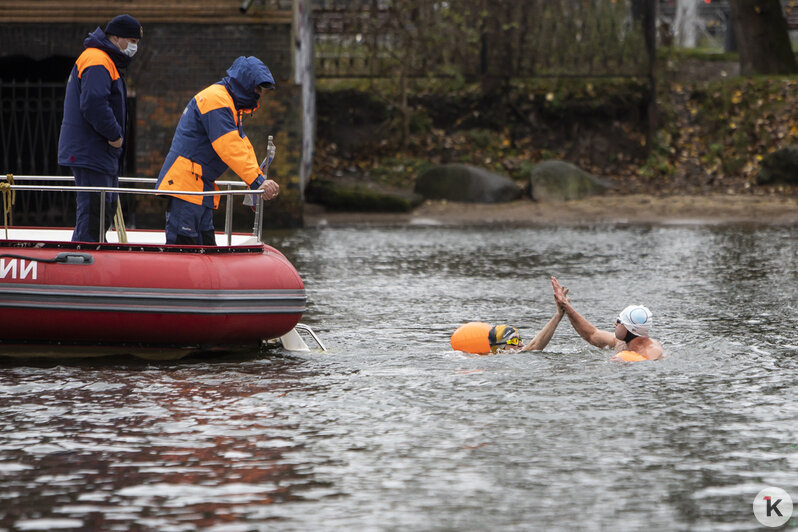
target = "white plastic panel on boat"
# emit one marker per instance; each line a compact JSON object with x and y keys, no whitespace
{"x":49,"y":234}
{"x":293,"y":342}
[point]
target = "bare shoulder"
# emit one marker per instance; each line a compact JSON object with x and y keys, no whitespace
{"x":648,"y":347}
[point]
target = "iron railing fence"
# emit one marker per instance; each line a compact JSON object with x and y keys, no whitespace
{"x":30,"y":122}
{"x":478,"y":38}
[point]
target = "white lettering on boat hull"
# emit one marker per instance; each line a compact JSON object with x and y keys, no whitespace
{"x":10,"y":268}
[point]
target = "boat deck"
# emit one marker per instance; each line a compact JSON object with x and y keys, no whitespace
{"x":134,"y":236}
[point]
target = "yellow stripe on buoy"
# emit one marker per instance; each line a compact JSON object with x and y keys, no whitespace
{"x":630,"y":356}
{"x":472,"y":337}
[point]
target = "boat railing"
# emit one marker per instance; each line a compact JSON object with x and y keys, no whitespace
{"x":229,"y":189}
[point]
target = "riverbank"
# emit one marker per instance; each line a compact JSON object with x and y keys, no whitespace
{"x":637,"y":209}
{"x":716,"y":133}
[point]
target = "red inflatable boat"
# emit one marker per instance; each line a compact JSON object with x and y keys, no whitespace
{"x":60,"y":292}
{"x":133,"y":294}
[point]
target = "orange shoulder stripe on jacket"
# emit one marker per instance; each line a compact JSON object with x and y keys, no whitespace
{"x":94,"y":57}
{"x":215,"y":97}
{"x":239,"y":155}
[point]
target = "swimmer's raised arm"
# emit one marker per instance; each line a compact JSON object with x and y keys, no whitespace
{"x":584,"y":328}
{"x":541,"y":340}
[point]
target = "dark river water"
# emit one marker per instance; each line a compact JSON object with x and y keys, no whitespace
{"x":392,"y":430}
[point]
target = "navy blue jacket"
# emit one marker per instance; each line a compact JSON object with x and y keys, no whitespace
{"x":95,"y":108}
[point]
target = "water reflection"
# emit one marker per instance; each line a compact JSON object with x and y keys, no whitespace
{"x":146,"y":444}
{"x":393,"y":430}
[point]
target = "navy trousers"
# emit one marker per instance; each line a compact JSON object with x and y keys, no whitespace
{"x":187,"y":223}
{"x":87,"y":219}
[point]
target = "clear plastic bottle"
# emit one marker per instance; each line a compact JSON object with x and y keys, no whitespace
{"x":271,"y":149}
{"x":267,"y":161}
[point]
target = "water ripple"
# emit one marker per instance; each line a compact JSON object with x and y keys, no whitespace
{"x":391,"y":429}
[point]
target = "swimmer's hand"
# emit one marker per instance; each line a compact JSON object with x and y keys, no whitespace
{"x":561,"y":308}
{"x":560,"y":294}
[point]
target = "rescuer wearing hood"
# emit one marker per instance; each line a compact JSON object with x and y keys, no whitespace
{"x":95,"y":115}
{"x":209,"y":139}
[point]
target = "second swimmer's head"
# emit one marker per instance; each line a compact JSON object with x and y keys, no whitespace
{"x":504,"y":337}
{"x":636,"y":319}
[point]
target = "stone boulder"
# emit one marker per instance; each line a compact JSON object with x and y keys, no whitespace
{"x":560,"y":181}
{"x":466,"y":183}
{"x":348,"y":195}
{"x":779,"y":168}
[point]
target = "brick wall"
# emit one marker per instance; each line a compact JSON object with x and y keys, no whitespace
{"x":175,"y":57}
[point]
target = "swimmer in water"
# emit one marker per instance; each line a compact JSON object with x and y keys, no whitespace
{"x":507,"y":339}
{"x":632,"y":327}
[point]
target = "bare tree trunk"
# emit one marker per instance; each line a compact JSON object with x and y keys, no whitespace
{"x":646,"y":12}
{"x":762,"y":38}
{"x":405,"y":110}
{"x":684,"y":28}
{"x":483,"y":31}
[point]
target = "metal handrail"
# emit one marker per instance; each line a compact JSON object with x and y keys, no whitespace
{"x":122,"y":190}
{"x":122,"y":179}
{"x":303,"y":327}
{"x":229,"y":193}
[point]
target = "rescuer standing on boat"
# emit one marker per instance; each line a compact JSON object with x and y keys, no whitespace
{"x":209,"y":139}
{"x":95,"y":115}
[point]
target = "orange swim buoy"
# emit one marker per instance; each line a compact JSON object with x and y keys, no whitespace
{"x":630,"y":356}
{"x":472,"y":337}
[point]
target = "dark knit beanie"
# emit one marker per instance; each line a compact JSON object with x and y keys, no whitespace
{"x":124,"y":26}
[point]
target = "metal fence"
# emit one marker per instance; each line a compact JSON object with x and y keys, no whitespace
{"x":479,"y":38}
{"x":30,"y":122}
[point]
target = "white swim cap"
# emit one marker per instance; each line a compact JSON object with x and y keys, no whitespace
{"x":637,"y":319}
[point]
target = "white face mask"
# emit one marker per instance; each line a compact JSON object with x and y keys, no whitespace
{"x":130,"y":51}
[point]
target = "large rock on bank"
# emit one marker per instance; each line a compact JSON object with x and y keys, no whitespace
{"x":466,"y":183}
{"x":779,"y":167}
{"x":337,"y":195}
{"x":561,"y":181}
